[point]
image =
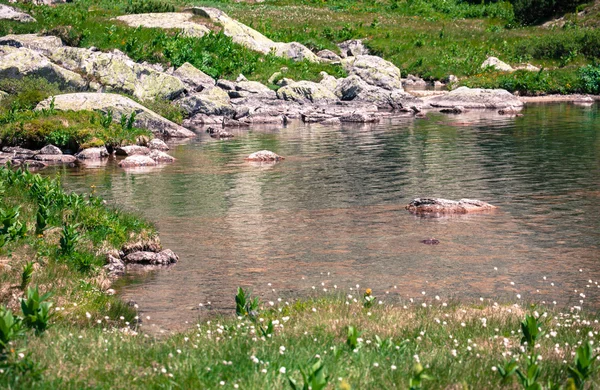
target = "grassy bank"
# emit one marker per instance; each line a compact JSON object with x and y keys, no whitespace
{"x":432,"y":39}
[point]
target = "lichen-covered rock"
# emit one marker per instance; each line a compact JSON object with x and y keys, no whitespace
{"x":306,"y":91}
{"x":45,"y":44}
{"x":445,"y":206}
{"x":119,"y":73}
{"x":10,"y":13}
{"x":167,"y":20}
{"x":92,"y":153}
{"x":353,"y":88}
{"x":131,"y":150}
{"x":353,"y":48}
{"x":252,"y":39}
{"x":254,"y":87}
{"x":476,"y":98}
{"x":264,"y":155}
{"x":137,"y":161}
{"x":213,"y":101}
{"x":329,"y":81}
{"x":158,"y":144}
{"x":493,"y":62}
{"x":50,"y":149}
{"x":194,"y":79}
{"x":374,"y":70}
{"x":161,"y":157}
{"x":20,"y":62}
{"x":329,"y":56}
{"x":119,"y":105}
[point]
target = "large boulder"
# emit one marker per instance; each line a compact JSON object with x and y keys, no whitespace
{"x":252,"y":39}
{"x":158,"y":144}
{"x":306,"y":91}
{"x":50,"y":149}
{"x":213,"y":101}
{"x":20,"y":62}
{"x":445,"y":206}
{"x":93,"y":153}
{"x":353,"y":88}
{"x":119,"y":73}
{"x":131,"y":150}
{"x":374,"y":70}
{"x":493,"y":62}
{"x":475,"y":98}
{"x":194,"y":79}
{"x":10,"y":13}
{"x":119,"y":105}
{"x":167,"y":20}
{"x":45,"y":44}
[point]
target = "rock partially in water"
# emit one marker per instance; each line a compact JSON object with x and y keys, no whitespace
{"x":10,"y":13}
{"x":264,"y":155}
{"x":511,"y":111}
{"x":149,"y":245}
{"x":164,"y":257}
{"x":213,"y":101}
{"x":476,"y":98}
{"x":431,"y":241}
{"x":446,"y":206}
{"x":161,"y":157}
{"x":119,"y":105}
{"x":137,"y":161}
{"x":454,"y":110}
{"x":218,"y":133}
{"x":56,"y":158}
{"x":114,"y":265}
{"x":131,"y":150}
{"x":158,"y":144}
{"x":93,"y":153}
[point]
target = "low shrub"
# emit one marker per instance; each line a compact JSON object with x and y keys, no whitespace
{"x":148,"y":6}
{"x":589,"y":77}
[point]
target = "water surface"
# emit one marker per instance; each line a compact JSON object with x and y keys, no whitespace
{"x":333,"y":211}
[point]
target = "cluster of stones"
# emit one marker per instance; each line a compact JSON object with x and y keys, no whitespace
{"x":141,"y":253}
{"x":136,"y":156}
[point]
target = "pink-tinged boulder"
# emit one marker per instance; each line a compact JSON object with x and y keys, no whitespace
{"x":92,"y":153}
{"x":137,"y":161}
{"x":158,"y":144}
{"x":132,"y":150}
{"x":445,"y":206}
{"x":264,"y":155}
{"x":161,"y":157}
{"x":55,"y":158}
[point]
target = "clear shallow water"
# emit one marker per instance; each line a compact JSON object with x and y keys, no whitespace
{"x":333,"y":211}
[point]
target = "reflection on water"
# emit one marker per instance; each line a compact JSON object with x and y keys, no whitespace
{"x":333,"y":213}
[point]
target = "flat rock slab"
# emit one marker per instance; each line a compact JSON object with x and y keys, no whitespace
{"x":167,"y":20}
{"x":446,"y":206}
{"x":120,"y":105}
{"x":55,"y":158}
{"x":476,"y":98}
{"x":45,"y":44}
{"x":136,"y":161}
{"x":10,"y":13}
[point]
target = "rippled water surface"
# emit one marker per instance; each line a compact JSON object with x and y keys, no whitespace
{"x":333,"y":211}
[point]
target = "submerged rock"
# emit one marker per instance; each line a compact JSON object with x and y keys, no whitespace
{"x":264,"y":155}
{"x":445,"y":206}
{"x":119,"y":105}
{"x":431,"y":241}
